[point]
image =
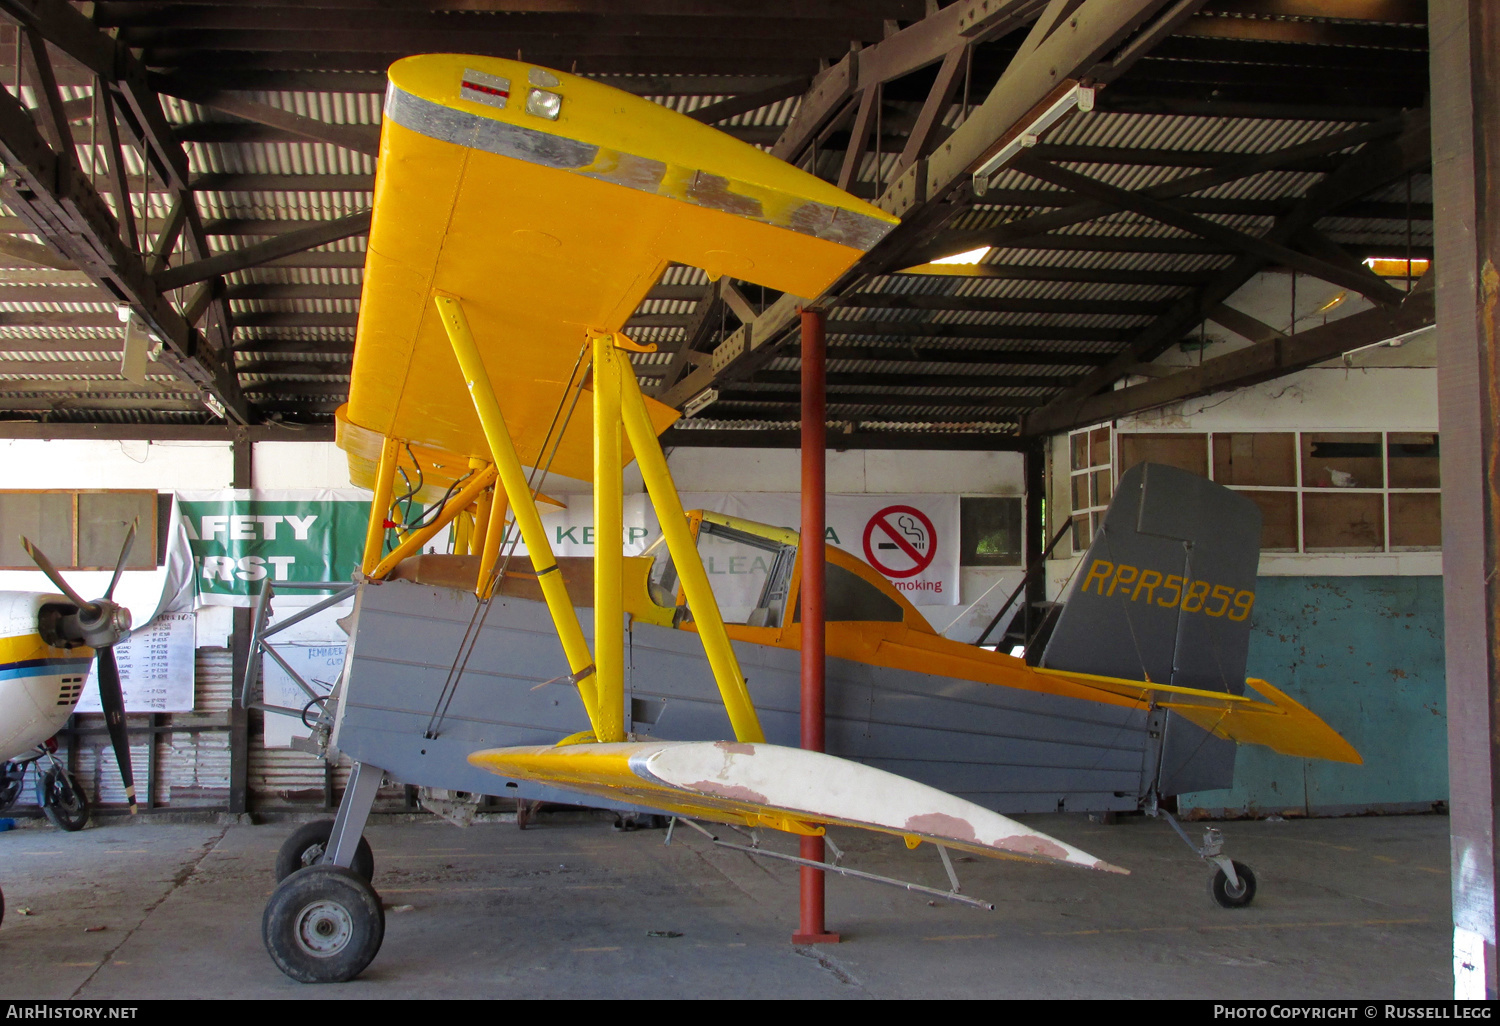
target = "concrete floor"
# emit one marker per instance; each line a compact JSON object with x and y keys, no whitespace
{"x":1347,"y":908}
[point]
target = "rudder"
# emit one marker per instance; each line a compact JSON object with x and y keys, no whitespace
{"x":1165,"y":594}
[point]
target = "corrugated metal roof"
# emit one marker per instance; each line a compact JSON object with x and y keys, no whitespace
{"x":1133,"y":151}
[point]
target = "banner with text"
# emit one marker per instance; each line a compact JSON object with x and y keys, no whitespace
{"x":911,"y":539}
{"x":240,"y":538}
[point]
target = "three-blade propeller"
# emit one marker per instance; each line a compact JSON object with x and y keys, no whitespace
{"x":101,"y":624}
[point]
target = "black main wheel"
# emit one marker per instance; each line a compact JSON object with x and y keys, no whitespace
{"x":1233,"y":897}
{"x":309,"y":845}
{"x":61,"y":797}
{"x":323,"y":924}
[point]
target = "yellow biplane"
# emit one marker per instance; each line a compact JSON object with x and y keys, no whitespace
{"x":521,"y":215}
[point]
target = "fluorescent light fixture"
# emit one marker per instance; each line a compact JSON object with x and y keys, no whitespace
{"x":973,"y":256}
{"x":698,"y":402}
{"x":1393,"y":343}
{"x":1081,"y":97}
{"x":1398,"y":267}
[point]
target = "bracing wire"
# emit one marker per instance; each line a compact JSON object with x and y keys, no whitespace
{"x":551,"y":442}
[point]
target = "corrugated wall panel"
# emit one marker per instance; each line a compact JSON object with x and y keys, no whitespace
{"x":1366,"y":654}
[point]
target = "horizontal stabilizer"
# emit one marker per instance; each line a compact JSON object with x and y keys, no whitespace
{"x":784,"y":788}
{"x":1282,"y":724}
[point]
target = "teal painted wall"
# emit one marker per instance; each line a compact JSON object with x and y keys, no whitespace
{"x":1365,"y":654}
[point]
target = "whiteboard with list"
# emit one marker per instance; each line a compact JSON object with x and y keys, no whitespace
{"x":156,"y":668}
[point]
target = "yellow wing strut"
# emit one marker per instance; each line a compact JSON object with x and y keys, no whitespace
{"x":700,"y":595}
{"x":528,"y":519}
{"x":609,"y":525}
{"x":380,"y":504}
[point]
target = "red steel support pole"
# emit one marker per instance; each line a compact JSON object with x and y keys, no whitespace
{"x":814,"y":516}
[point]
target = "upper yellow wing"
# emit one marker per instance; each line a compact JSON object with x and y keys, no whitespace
{"x":546,"y":227}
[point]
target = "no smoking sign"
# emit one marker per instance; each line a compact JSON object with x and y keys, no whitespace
{"x":900,"y":541}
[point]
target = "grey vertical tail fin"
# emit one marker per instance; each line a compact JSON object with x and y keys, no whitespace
{"x":1165,"y":590}
{"x":1164,"y":594}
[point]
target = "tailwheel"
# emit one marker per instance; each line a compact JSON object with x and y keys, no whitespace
{"x":308,"y":846}
{"x":323,"y":924}
{"x":62,"y":799}
{"x":1233,"y":895}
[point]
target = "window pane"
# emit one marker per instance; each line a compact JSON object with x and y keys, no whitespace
{"x":1341,"y":460}
{"x":1416,"y":520}
{"x":1187,"y":451}
{"x":1343,"y":522}
{"x":1278,"y":526}
{"x":1081,"y":534}
{"x":1081,"y":491}
{"x":990,"y":530}
{"x":847,"y":596}
{"x":1255,"y":459}
{"x":737,"y":571}
{"x":45,"y":518}
{"x":1101,"y":487}
{"x":1079,"y":444}
{"x":1099,"y":447}
{"x":1414,"y":462}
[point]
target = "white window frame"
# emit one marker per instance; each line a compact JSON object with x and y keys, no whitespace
{"x":1386,"y":491}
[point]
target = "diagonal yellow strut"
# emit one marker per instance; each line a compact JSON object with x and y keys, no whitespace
{"x":450,"y":512}
{"x":685,"y":558}
{"x":528,"y":518}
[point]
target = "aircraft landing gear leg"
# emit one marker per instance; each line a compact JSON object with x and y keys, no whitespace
{"x":317,"y":842}
{"x":354,"y":811}
{"x":324,"y":922}
{"x":1233,"y":884}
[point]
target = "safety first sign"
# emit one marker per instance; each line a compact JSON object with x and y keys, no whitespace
{"x":241,"y":538}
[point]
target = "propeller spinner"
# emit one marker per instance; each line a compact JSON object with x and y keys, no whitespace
{"x":100,"y":624}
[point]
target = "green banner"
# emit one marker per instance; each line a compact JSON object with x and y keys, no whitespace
{"x":239,"y":542}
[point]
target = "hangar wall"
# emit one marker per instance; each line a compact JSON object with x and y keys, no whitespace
{"x":1366,"y":653}
{"x":1355,"y":635}
{"x":186,"y":762}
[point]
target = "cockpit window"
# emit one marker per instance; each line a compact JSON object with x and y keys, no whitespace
{"x":748,"y":573}
{"x":848,"y":596}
